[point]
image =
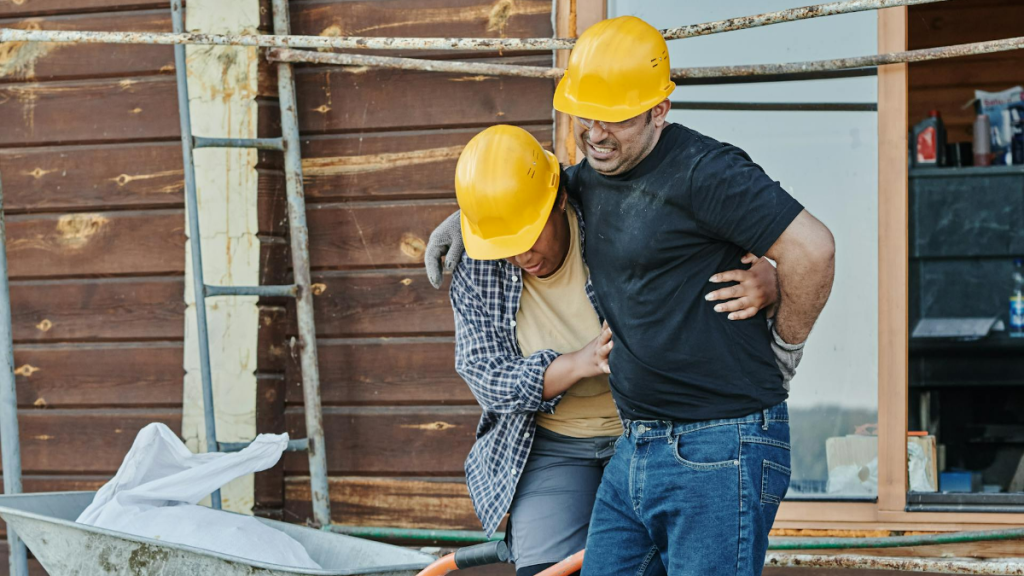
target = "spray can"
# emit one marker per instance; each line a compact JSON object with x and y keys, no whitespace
{"x":1017,"y":299}
{"x":930,"y":141}
{"x":982,"y":141}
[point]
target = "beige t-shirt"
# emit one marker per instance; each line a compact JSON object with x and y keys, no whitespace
{"x":555,"y":313}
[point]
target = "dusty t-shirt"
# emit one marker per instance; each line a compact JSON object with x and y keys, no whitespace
{"x":655,"y":236}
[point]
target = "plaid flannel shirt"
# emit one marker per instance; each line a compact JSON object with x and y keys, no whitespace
{"x":485,"y":296}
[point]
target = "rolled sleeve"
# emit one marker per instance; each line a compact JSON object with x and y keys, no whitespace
{"x":501,"y":381}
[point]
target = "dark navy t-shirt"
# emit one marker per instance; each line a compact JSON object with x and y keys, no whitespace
{"x":655,"y":235}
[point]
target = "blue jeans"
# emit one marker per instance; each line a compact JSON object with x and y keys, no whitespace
{"x":692,"y":499}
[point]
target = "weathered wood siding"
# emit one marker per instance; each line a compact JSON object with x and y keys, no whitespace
{"x":93,"y":188}
{"x":379,"y":152}
{"x":91,"y":164}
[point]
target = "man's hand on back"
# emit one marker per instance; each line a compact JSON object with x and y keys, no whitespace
{"x":805,"y":254}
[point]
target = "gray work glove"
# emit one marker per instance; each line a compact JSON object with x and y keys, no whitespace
{"x":446,"y":241}
{"x":787,"y":355}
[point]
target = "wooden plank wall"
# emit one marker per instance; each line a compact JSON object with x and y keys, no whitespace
{"x":92,"y":176}
{"x":947,"y":85}
{"x":379,"y":151}
{"x":91,"y":163}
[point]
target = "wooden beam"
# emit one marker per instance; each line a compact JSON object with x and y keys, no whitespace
{"x":566,"y":26}
{"x":572,"y":18}
{"x":893,"y":265}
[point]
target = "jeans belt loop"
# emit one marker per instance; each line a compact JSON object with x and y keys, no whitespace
{"x":764,"y":426}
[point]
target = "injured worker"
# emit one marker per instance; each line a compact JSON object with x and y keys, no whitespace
{"x":533,"y":348}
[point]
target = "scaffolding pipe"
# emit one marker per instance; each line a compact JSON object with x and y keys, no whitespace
{"x":923,"y":55}
{"x":392,"y":63}
{"x":195,"y":241}
{"x":425,"y":534}
{"x":797,"y":68}
{"x":489,"y":44}
{"x":789,"y":15}
{"x":10,"y":447}
{"x":930,"y":565}
{"x":299,"y":234}
{"x":786,"y":543}
{"x":791,"y":543}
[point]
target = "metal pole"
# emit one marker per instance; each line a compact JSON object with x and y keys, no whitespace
{"x":10,"y":445}
{"x":789,"y":15}
{"x":972,"y":49}
{"x":931,"y":565}
{"x":796,"y":543}
{"x":490,"y":44}
{"x":192,"y":206}
{"x":796,"y":69}
{"x":456,"y":67}
{"x":299,"y":233}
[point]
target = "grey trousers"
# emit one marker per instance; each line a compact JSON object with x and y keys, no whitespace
{"x":550,"y":511}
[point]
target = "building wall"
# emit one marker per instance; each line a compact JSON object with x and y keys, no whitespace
{"x":90,"y":158}
{"x":379,"y":151}
{"x":91,"y":167}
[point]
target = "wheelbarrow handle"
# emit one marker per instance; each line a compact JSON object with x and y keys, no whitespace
{"x":567,"y":566}
{"x":468,"y":557}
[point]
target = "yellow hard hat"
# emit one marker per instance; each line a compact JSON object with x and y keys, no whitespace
{"x":618,"y":69}
{"x":506,"y":184}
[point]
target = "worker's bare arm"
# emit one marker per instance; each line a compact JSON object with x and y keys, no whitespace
{"x":568,"y":369}
{"x":805,"y":254}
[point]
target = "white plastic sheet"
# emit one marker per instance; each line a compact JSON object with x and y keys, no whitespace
{"x":155,"y":493}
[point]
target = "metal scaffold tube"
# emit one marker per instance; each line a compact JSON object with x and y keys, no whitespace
{"x":930,"y":565}
{"x":195,"y":242}
{"x":299,"y":232}
{"x":922,"y":55}
{"x":797,"y":68}
{"x":10,"y":447}
{"x":283,"y":40}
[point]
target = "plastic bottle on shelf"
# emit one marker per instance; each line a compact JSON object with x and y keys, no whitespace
{"x":982,"y":141}
{"x":1017,"y":300}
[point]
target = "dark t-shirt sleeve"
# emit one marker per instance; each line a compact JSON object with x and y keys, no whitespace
{"x":734,"y":200}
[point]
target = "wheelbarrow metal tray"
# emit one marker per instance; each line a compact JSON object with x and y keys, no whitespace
{"x":46,"y":522}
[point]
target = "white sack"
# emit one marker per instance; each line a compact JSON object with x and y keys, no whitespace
{"x":155,"y":492}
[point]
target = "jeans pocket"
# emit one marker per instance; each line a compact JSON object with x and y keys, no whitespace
{"x":704,"y":449}
{"x":774,"y":482}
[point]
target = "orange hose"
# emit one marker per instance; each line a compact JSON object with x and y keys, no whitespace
{"x":442,"y":566}
{"x":567,"y":566}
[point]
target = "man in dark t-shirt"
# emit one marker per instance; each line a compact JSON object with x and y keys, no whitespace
{"x":704,"y":462}
{"x":698,"y":476}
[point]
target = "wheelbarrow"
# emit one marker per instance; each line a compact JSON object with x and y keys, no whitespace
{"x":46,"y":522}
